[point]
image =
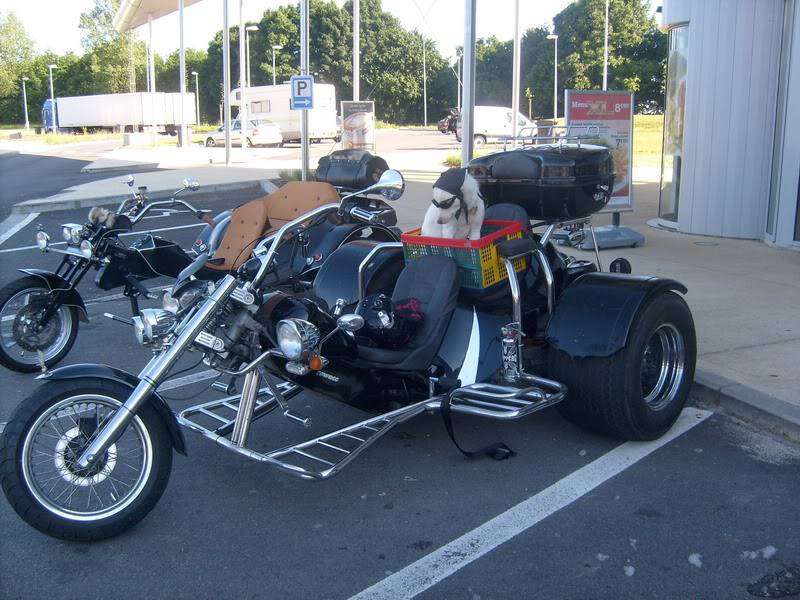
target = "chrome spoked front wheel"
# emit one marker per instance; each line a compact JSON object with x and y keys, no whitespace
{"x":57,"y":439}
{"x":39,"y":455}
{"x":662,"y":366}
{"x":26,"y":339}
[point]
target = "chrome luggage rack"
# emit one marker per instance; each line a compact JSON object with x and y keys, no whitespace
{"x":556,"y":135}
{"x":323,"y":456}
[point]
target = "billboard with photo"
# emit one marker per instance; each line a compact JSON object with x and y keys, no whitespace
{"x":358,"y":125}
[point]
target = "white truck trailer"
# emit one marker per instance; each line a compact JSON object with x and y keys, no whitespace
{"x":271,"y":102}
{"x":121,"y":112}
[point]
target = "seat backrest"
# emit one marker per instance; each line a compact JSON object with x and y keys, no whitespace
{"x":255,"y":219}
{"x":248,"y":222}
{"x":434,"y":281}
{"x":506,"y":211}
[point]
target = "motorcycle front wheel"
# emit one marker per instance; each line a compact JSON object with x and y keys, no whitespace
{"x":23,"y":344}
{"x":48,"y":489}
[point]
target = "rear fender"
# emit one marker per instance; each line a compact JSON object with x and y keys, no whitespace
{"x":163,"y":410}
{"x":56,"y":282}
{"x":593,"y":316}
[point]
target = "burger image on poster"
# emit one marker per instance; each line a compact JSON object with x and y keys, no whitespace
{"x":357,"y":130}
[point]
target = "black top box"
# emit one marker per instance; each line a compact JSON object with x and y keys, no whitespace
{"x":557,"y":182}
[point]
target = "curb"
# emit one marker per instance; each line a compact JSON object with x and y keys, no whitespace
{"x":4,"y":152}
{"x":117,"y":168}
{"x":49,"y":205}
{"x":747,"y":404}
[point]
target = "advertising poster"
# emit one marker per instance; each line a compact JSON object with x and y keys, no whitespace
{"x":612,"y":114}
{"x":358,"y":125}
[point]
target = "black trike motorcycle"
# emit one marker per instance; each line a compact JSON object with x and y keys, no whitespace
{"x":40,"y":312}
{"x":500,"y":327}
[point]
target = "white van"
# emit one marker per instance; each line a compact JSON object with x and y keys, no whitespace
{"x":271,"y":102}
{"x":492,"y":124}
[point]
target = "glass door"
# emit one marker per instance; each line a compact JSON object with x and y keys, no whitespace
{"x":674,"y":113}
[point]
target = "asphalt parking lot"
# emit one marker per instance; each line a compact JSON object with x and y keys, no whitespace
{"x":709,"y":511}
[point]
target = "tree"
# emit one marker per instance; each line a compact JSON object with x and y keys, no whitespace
{"x":16,"y":50}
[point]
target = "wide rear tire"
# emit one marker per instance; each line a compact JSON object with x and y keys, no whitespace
{"x":49,"y":491}
{"x":638,"y":392}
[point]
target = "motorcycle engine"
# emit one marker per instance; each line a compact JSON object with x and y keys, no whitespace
{"x":233,"y":335}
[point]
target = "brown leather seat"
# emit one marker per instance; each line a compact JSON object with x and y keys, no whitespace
{"x":257,"y":218}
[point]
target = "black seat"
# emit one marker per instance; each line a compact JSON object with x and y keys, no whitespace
{"x":434,"y":281}
{"x":505,"y":211}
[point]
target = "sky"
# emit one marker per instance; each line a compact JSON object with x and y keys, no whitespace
{"x":53,"y":24}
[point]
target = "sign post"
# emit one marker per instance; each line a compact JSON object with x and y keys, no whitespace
{"x":302,"y":98}
{"x":611,"y":115}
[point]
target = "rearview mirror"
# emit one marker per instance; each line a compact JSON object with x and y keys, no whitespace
{"x":351,"y":322}
{"x":129,"y":180}
{"x":391,"y":186}
{"x":191,"y":183}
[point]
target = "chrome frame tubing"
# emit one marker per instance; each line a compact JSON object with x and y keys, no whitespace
{"x":276,"y":240}
{"x":364,"y":263}
{"x":152,"y":205}
{"x":154,"y":371}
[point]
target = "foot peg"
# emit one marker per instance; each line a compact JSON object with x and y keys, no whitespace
{"x":227,"y":388}
{"x":297,"y":418}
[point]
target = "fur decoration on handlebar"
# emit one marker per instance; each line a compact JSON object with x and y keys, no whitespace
{"x":102,"y":216}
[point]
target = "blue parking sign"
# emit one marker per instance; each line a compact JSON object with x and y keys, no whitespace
{"x":302,"y":92}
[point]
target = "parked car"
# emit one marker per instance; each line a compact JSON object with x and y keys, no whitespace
{"x":261,"y":133}
{"x":492,"y":124}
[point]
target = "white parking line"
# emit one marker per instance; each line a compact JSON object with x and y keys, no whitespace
{"x":440,"y":564}
{"x":15,"y":228}
{"x":142,"y":232}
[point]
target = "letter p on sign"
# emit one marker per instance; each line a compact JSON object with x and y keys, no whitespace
{"x":302,"y":92}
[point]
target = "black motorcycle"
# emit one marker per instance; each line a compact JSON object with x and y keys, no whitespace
{"x":449,"y":123}
{"x":41,"y":311}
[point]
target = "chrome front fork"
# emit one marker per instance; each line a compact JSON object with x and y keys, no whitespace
{"x":153,"y":373}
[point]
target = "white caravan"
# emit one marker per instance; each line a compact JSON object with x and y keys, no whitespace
{"x":493,"y":123}
{"x":271,"y":102}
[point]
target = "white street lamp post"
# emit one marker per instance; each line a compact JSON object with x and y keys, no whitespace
{"x":197,"y":95}
{"x":554,"y":37}
{"x":605,"y":52}
{"x":424,"y":82}
{"x":356,"y":50}
{"x":25,"y":103}
{"x":243,"y":120}
{"x":274,"y":48}
{"x":515,"y":77}
{"x":249,"y":28}
{"x":52,"y":98}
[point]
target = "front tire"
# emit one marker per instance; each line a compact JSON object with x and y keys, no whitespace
{"x":638,"y":392}
{"x":20,"y":303}
{"x":479,"y":141}
{"x":50,"y":492}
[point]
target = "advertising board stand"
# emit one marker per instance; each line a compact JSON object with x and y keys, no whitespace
{"x":358,"y":125}
{"x":610,"y":113}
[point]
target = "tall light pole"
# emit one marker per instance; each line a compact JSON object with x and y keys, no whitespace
{"x":243,"y":122}
{"x":356,"y":50}
{"x":424,"y":82}
{"x":605,"y":52}
{"x":458,"y":81}
{"x":197,"y":95}
{"x":515,"y":77}
{"x":248,"y":29}
{"x":554,"y":37}
{"x":52,"y":98}
{"x":274,"y":48}
{"x":304,"y":55}
{"x":25,"y":103}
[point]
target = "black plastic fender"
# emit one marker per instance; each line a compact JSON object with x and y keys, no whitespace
{"x":112,"y":373}
{"x":56,"y":282}
{"x":593,"y":316}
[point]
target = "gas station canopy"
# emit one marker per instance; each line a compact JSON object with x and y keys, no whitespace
{"x":133,"y":13}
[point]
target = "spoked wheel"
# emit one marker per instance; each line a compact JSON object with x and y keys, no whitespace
{"x":638,"y":392}
{"x":51,"y":492}
{"x":25,"y":340}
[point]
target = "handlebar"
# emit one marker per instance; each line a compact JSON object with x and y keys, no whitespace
{"x":170,"y":203}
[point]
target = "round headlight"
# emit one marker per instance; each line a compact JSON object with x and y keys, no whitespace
{"x":87,"y":249}
{"x":72,"y":234}
{"x":42,"y":239}
{"x":296,"y":338}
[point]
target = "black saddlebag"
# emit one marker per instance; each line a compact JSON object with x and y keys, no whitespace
{"x":552,"y":183}
{"x":351,"y":169}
